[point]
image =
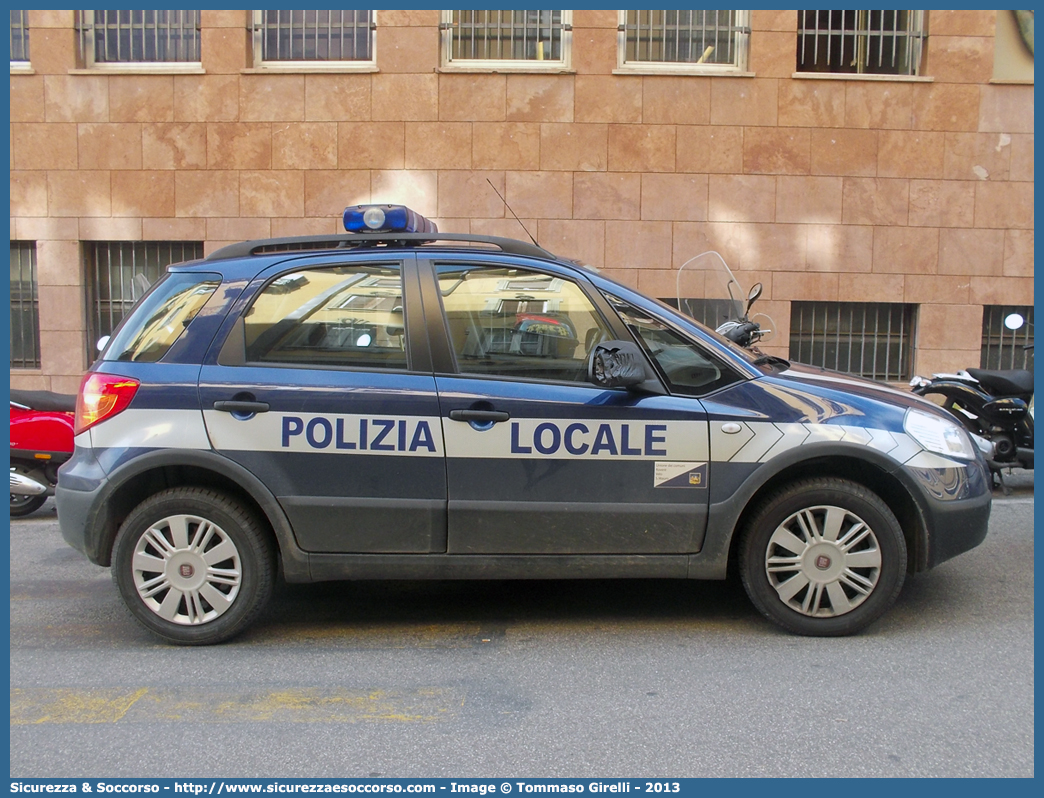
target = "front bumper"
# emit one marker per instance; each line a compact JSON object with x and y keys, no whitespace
{"x":956,"y":505}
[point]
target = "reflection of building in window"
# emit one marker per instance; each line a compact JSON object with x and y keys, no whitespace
{"x":514,"y":324}
{"x":484,"y":38}
{"x":861,"y":42}
{"x":139,"y":36}
{"x":337,"y":316}
{"x":684,"y":38}
{"x":25,"y":314}
{"x":1003,"y":347}
{"x":294,"y":36}
{"x":119,"y":272}
{"x":872,"y":339}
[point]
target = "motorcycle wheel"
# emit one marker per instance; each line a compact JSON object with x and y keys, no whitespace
{"x":22,"y":505}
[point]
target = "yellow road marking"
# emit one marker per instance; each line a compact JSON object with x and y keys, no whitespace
{"x":293,"y":705}
{"x":71,"y":706}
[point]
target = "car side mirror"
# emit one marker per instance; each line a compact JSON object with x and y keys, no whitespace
{"x":617,"y":364}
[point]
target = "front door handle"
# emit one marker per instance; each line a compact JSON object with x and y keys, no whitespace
{"x":481,"y":416}
{"x":235,"y":406}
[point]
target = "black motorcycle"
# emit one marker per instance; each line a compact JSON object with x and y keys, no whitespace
{"x":995,"y":405}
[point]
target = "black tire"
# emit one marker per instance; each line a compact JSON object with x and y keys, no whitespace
{"x":24,"y":505}
{"x":861,"y":571}
{"x":215,"y":565}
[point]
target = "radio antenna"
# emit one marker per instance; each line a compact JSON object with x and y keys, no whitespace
{"x":512,"y":212}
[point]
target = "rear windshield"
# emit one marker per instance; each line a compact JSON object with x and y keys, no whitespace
{"x":162,"y":316}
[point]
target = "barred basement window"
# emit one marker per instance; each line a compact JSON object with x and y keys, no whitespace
{"x":871,"y":339}
{"x":293,"y":37}
{"x":696,"y":41}
{"x":139,"y":37}
{"x":506,"y":39}
{"x":19,"y":38}
{"x":1004,"y":348}
{"x":118,"y":273}
{"x":25,"y":307}
{"x":861,"y":42}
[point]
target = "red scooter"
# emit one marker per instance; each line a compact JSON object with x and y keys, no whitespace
{"x":41,"y":440}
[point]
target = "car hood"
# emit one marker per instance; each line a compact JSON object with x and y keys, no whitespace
{"x":838,"y":394}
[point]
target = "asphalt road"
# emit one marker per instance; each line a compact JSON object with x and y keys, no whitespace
{"x":501,"y":679}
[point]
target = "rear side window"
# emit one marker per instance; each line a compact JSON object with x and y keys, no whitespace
{"x":347,"y":316}
{"x":163,"y":315}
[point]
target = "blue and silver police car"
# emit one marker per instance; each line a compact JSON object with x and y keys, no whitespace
{"x":399,"y":403}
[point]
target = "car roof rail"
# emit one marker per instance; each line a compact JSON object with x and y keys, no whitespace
{"x":265,"y":246}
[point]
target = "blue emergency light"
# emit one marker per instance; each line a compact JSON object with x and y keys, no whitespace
{"x":386,"y":219}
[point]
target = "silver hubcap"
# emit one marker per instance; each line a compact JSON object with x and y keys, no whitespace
{"x":823,"y":561}
{"x":186,"y":569}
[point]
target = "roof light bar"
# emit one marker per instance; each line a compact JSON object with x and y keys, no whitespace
{"x":386,"y":219}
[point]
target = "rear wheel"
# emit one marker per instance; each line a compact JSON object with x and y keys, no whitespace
{"x":193,"y":566}
{"x":823,"y":557}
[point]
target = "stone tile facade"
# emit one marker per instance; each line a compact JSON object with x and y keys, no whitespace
{"x":897,"y":190}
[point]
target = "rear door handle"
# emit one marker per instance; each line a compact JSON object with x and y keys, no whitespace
{"x":233,"y":406}
{"x":482,"y":416}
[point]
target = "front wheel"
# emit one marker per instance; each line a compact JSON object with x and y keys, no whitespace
{"x":823,"y":557}
{"x":193,"y":566}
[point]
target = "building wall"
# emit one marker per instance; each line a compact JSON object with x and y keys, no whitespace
{"x":897,"y":190}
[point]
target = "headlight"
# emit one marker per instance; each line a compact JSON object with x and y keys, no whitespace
{"x":939,"y":435}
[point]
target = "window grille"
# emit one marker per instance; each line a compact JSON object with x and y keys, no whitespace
{"x":138,"y":37}
{"x":119,"y":272}
{"x":861,"y":42}
{"x":871,"y":339}
{"x":25,"y":307}
{"x":294,"y":36}
{"x":19,"y":36}
{"x":482,"y":38}
{"x":1003,"y":348}
{"x":711,"y":39}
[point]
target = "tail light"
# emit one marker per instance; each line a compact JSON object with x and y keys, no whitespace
{"x":102,"y":396}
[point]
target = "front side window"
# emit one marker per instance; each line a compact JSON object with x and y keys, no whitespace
{"x":25,"y":312}
{"x":686,"y":367}
{"x":301,"y":37}
{"x":871,"y":339}
{"x":118,"y":273}
{"x":509,"y":39}
{"x":519,"y":324}
{"x":861,"y":42}
{"x":683,"y":40}
{"x":139,"y":37}
{"x":343,"y":316}
{"x":19,"y":38}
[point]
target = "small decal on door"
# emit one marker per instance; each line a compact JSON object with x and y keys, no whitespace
{"x":669,"y":474}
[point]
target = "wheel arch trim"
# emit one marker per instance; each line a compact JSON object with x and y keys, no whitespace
{"x":103,"y":526}
{"x":725,"y":518}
